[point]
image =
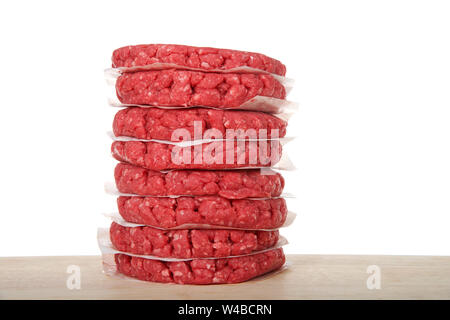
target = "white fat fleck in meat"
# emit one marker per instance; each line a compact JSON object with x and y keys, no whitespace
{"x":182,"y":77}
{"x":177,"y":273}
{"x":165,"y":273}
{"x":187,"y":88}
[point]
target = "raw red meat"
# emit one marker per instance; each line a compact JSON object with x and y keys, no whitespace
{"x":206,"y":210}
{"x":194,"y":57}
{"x":179,"y":88}
{"x":192,"y":243}
{"x":161,"y":156}
{"x":201,"y":271}
{"x":231,"y":184}
{"x":159,"y":124}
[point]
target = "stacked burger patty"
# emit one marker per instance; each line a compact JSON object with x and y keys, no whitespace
{"x":196,"y":204}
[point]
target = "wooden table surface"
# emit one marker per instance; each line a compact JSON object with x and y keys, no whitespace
{"x":306,"y":277}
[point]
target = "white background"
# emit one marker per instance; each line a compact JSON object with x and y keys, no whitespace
{"x":373,"y":130}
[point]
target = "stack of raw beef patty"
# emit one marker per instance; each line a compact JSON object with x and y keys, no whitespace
{"x":217,"y":219}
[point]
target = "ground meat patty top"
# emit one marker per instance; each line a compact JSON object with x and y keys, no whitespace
{"x":201,"y":271}
{"x":186,"y":244}
{"x":159,"y":124}
{"x":231,"y":184}
{"x":179,"y":88}
{"x":209,"y":210}
{"x":194,"y":57}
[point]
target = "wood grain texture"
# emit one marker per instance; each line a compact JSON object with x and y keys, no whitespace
{"x":306,"y":277}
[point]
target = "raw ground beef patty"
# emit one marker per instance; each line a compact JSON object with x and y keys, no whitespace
{"x":159,"y":124}
{"x":212,"y":155}
{"x":190,"y":243}
{"x":180,"y":88}
{"x":201,"y":271}
{"x":194,"y":57}
{"x":230,"y":184}
{"x":207,"y":210}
